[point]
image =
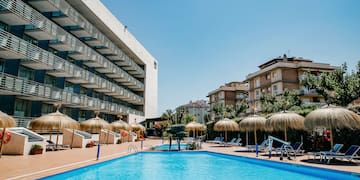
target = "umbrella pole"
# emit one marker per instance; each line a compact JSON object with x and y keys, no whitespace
{"x":72,"y":139}
{"x":225,"y":136}
{"x":57,"y":138}
{"x":331,"y":137}
{"x":255,"y":137}
{"x":285,"y":135}
{"x":2,"y":140}
{"x":247,"y":138}
{"x":107,"y":137}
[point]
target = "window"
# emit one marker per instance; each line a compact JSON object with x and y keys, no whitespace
{"x":50,"y":80}
{"x":268,"y":76}
{"x":83,"y":90}
{"x":22,"y":108}
{"x":155,"y":65}
{"x":47,"y":108}
{"x":1,"y":66}
{"x":257,"y":94}
{"x":69,"y":86}
{"x":26,"y":73}
{"x":257,"y":82}
{"x":82,"y":115}
{"x":275,"y":89}
{"x":4,"y":26}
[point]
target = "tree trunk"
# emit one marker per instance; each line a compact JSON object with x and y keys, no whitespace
{"x":170,"y":139}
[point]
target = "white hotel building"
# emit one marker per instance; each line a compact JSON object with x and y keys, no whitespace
{"x":74,"y":52}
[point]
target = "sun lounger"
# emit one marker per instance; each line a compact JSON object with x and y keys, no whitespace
{"x":333,"y":150}
{"x":52,"y":146}
{"x":295,"y":150}
{"x":236,"y":142}
{"x":261,"y":147}
{"x":349,"y":154}
{"x":217,"y":140}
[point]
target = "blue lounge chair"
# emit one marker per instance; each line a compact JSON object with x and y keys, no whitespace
{"x":261,"y":147}
{"x":294,"y":150}
{"x":335,"y":149}
{"x":217,"y":140}
{"x":349,"y":154}
{"x":236,"y":142}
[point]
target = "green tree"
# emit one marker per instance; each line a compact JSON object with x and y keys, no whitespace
{"x":240,"y":107}
{"x":218,"y":109}
{"x":178,"y":132}
{"x":169,"y":115}
{"x":270,"y":103}
{"x":337,"y":87}
{"x":188,"y":118}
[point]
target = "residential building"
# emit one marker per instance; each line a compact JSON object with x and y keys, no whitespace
{"x":76,"y":53}
{"x":283,"y":73}
{"x":228,"y":94}
{"x":199,"y":109}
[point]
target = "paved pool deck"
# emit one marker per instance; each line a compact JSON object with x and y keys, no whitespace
{"x":52,"y":162}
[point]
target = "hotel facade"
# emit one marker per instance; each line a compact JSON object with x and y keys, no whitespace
{"x":282,"y":73}
{"x":228,"y":94}
{"x":75,"y":53}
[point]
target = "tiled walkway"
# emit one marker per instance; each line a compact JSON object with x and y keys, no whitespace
{"x":35,"y":166}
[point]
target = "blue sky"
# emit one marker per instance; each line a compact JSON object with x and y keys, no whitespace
{"x":202,"y":44}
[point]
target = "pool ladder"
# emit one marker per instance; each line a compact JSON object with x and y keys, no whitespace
{"x":132,"y":147}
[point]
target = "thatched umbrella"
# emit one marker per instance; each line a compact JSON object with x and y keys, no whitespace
{"x":54,"y":121}
{"x":5,"y":122}
{"x":285,"y":120}
{"x":95,"y":124}
{"x":194,"y":126}
{"x":252,"y":123}
{"x":226,"y":125}
{"x":137,"y":127}
{"x":120,"y":125}
{"x":332,"y":117}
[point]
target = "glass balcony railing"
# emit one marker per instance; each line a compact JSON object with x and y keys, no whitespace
{"x":12,"y":47}
{"x":70,"y":17}
{"x":35,"y":91}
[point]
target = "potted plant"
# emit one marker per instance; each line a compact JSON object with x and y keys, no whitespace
{"x":90,"y":144}
{"x":36,"y":149}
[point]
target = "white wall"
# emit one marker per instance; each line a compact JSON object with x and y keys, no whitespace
{"x":151,"y":81}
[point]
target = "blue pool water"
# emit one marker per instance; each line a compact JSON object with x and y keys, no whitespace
{"x":164,"y":147}
{"x":198,"y":166}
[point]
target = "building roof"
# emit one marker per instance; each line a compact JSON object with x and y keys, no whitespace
{"x":232,"y":86}
{"x":198,"y":104}
{"x":293,"y":63}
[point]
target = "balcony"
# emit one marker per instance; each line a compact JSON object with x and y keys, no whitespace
{"x":15,"y":12}
{"x":64,"y":42}
{"x":25,"y":89}
{"x":33,"y":91}
{"x":11,"y":47}
{"x":95,"y":61}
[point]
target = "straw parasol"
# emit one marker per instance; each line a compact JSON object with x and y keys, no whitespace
{"x":194,"y":126}
{"x":120,"y":125}
{"x":5,"y":122}
{"x":284,"y":121}
{"x":137,"y":127}
{"x":54,"y":121}
{"x":252,"y":123}
{"x":95,"y":124}
{"x":226,"y":125}
{"x":332,"y":117}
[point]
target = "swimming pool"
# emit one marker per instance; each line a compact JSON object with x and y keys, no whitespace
{"x":165,"y":147}
{"x":196,"y":165}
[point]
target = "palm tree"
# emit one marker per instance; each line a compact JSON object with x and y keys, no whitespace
{"x":169,"y":115}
